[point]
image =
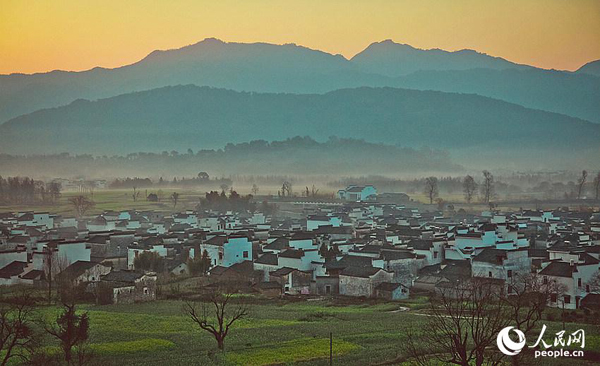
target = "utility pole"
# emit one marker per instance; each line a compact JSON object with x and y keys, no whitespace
{"x":330,"y":348}
{"x":49,"y":264}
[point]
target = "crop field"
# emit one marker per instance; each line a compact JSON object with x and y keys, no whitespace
{"x":276,"y":332}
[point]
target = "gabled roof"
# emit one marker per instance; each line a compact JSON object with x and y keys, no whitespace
{"x":559,"y":269}
{"x":364,"y":272}
{"x":350,"y":260}
{"x":283,"y":271}
{"x":12,"y":269}
{"x":388,"y":286}
{"x":491,"y":255}
{"x":122,"y":276}
{"x":420,"y":244}
{"x":217,"y":240}
{"x":278,"y":244}
{"x":390,"y":255}
{"x":292,"y":253}
{"x":267,"y":258}
{"x":78,"y":268}
{"x":33,"y":275}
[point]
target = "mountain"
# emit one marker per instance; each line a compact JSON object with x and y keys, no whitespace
{"x":239,"y":66}
{"x":182,"y":117}
{"x":268,"y":68}
{"x":591,"y":68}
{"x":393,"y":59}
{"x":572,"y":94}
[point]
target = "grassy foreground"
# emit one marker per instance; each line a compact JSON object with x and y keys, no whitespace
{"x":276,"y":332}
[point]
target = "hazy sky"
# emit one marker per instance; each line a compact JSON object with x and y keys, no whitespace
{"x":44,"y":35}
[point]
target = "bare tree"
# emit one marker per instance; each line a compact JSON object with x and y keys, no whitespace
{"x":469,"y":188}
{"x":135,"y":194}
{"x":81,"y":204}
{"x":431,"y":188}
{"x":286,"y":189}
{"x":175,"y":198}
{"x":487,"y":186}
{"x":464,"y":320}
{"x":71,"y":330}
{"x":17,"y":340}
{"x":53,"y":265}
{"x":254,"y":189}
{"x":581,"y":182}
{"x":527,"y":299}
{"x":597,"y":186}
{"x":217,"y":316}
{"x":314,"y":191}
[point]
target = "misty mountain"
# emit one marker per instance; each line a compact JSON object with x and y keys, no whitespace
{"x":393,"y":59}
{"x":572,"y":94}
{"x":269,"y":68}
{"x":591,"y":68}
{"x":182,"y":117}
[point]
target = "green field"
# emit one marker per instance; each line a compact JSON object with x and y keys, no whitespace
{"x":277,"y":332}
{"x":116,"y":200}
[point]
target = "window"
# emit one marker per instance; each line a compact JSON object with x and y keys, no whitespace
{"x":579,"y":282}
{"x":552,"y":297}
{"x":545,"y":280}
{"x":490,"y":274}
{"x":145,"y":290}
{"x":435,"y":254}
{"x":245,"y":255}
{"x":587,"y":288}
{"x":220,"y":256}
{"x":509,"y":273}
{"x":567,"y":299}
{"x":327,"y":290}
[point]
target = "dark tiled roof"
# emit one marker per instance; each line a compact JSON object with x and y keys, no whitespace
{"x":387,"y":286}
{"x":33,"y":274}
{"x":76,"y":269}
{"x":122,"y":276}
{"x":390,"y":255}
{"x":217,"y":240}
{"x":420,"y":244}
{"x":292,"y":253}
{"x":282,"y":271}
{"x":267,"y":258}
{"x":278,"y":244}
{"x":559,"y":269}
{"x":364,"y":272}
{"x":13,"y":269}
{"x":491,"y":255}
{"x":349,"y":260}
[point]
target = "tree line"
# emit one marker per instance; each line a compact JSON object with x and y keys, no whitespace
{"x":25,"y":190}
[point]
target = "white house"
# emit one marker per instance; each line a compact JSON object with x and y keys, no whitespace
{"x":358,"y":193}
{"x":227,"y":250}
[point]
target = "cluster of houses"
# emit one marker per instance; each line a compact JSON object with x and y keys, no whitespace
{"x":360,"y":248}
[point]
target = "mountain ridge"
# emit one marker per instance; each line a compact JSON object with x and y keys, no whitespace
{"x":188,"y":116}
{"x":268,"y":68}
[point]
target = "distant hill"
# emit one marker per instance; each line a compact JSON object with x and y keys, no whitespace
{"x":393,"y":59}
{"x":591,"y":68}
{"x":294,"y":156}
{"x":572,"y":94}
{"x":181,"y":117}
{"x":269,"y":68}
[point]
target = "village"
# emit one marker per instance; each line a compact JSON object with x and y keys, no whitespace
{"x":362,"y":245}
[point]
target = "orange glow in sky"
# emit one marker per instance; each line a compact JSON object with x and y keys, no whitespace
{"x":37,"y":36}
